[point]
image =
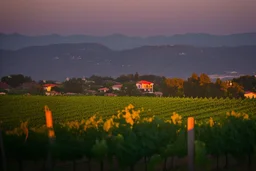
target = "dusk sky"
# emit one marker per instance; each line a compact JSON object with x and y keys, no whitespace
{"x":129,"y":17}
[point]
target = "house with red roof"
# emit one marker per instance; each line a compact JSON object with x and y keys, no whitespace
{"x":117,"y":87}
{"x":249,"y":94}
{"x":145,"y":86}
{"x":103,"y":90}
{"x":48,"y":87}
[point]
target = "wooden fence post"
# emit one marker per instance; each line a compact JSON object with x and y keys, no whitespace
{"x":4,"y":166}
{"x":51,"y":135}
{"x":191,"y":145}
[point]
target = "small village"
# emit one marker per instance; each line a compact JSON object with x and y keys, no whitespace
{"x":125,"y":85}
{"x":145,"y":87}
{"x":54,"y":88}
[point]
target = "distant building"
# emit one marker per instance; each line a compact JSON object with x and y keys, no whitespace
{"x":249,"y":94}
{"x":145,"y":86}
{"x":48,"y":87}
{"x":2,"y":93}
{"x":103,"y":90}
{"x":117,"y":87}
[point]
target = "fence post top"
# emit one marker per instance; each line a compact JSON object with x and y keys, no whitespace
{"x":191,"y":123}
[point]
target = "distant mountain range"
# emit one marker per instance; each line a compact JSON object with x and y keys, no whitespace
{"x":121,"y":42}
{"x":58,"y":61}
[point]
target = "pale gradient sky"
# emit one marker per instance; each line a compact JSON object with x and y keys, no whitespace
{"x":130,"y":17}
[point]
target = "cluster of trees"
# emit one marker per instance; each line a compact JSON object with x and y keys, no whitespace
{"x":202,"y":86}
{"x":195,"y":86}
{"x":16,"y":80}
{"x":248,"y":82}
{"x":20,"y":84}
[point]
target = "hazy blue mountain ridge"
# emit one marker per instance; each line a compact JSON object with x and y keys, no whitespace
{"x":58,"y":61}
{"x":121,"y":42}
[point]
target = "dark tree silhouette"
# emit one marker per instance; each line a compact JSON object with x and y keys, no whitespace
{"x":74,"y":85}
{"x":16,"y":80}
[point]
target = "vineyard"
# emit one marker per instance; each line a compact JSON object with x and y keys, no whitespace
{"x":128,"y":133}
{"x":31,"y":108}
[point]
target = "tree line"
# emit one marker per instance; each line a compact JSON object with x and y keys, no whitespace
{"x":194,"y":86}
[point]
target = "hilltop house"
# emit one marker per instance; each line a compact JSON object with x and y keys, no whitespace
{"x":249,"y":94}
{"x":145,"y":86}
{"x":117,"y":87}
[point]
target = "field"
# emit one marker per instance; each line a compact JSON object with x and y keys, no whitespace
{"x":128,"y":133}
{"x":22,"y":108}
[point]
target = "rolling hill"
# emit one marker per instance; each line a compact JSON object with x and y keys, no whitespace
{"x":58,"y":61}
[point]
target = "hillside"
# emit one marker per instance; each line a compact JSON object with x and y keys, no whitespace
{"x":121,"y":42}
{"x":58,"y":61}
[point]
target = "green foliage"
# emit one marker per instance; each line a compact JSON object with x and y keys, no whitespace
{"x":154,"y":161}
{"x":129,"y":89}
{"x":100,"y":149}
{"x":16,"y":80}
{"x":74,"y":85}
{"x":247,"y":81}
{"x":156,"y":140}
{"x":200,"y":153}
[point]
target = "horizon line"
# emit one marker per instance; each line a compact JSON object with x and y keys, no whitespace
{"x":121,"y":34}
